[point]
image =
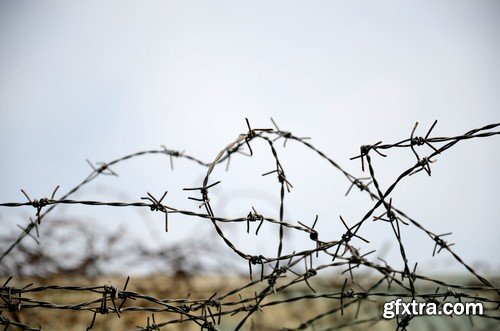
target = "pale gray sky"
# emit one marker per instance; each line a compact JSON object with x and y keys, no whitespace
{"x":100,"y":79}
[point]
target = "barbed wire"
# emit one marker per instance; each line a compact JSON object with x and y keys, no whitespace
{"x":280,"y":275}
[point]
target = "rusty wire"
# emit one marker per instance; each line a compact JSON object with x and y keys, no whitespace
{"x":271,"y":275}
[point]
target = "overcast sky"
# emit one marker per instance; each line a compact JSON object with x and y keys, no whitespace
{"x":101,"y":79}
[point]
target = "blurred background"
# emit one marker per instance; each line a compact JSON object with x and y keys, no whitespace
{"x":98,"y":80}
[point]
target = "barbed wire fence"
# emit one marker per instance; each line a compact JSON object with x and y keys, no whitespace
{"x":269,"y":276}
